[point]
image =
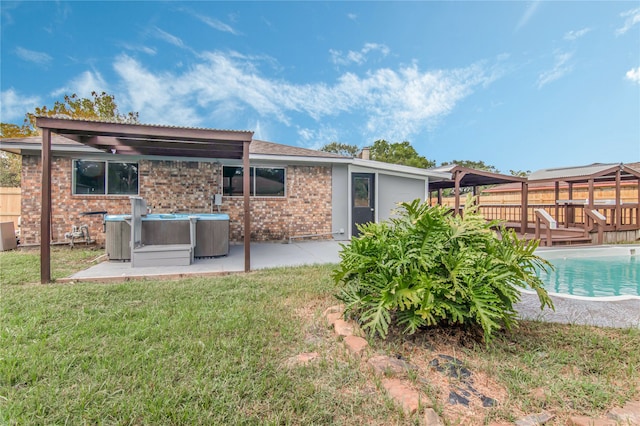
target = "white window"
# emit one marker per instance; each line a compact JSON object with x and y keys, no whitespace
{"x":105,"y":178}
{"x":264,"y":181}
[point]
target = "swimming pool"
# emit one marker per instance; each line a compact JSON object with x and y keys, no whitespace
{"x":593,"y":272}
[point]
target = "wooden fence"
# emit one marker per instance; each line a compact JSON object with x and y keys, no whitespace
{"x":10,"y":205}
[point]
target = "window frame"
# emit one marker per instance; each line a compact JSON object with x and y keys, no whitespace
{"x":106,"y":178}
{"x":253,"y":185}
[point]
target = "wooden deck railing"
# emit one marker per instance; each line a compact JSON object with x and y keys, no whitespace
{"x":569,"y":215}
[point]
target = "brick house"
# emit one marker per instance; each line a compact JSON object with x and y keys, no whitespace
{"x":294,"y":191}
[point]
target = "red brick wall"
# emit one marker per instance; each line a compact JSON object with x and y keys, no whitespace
{"x":182,"y":186}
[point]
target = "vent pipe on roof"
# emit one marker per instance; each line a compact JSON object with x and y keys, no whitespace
{"x":364,"y":154}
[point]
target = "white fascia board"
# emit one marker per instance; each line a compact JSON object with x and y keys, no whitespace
{"x":294,"y":159}
{"x":398,"y":169}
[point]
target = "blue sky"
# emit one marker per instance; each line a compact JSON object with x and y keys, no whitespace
{"x":519,"y":85}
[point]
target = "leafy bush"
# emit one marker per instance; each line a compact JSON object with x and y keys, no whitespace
{"x":429,"y":267}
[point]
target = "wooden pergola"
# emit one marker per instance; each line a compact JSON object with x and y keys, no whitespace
{"x":464,"y":177}
{"x":140,"y":140}
{"x":590,"y":175}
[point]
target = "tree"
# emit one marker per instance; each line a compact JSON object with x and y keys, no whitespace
{"x":478,"y":165}
{"x":399,"y":153}
{"x":521,"y":173}
{"x":8,"y":130}
{"x":102,"y":107}
{"x":341,"y":149}
{"x":10,"y":169}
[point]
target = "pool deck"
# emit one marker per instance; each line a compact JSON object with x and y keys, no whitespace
{"x":620,"y":312}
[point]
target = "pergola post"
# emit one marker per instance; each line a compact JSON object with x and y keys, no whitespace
{"x":524,"y":218}
{"x":45,"y":209}
{"x":439,"y":196}
{"x":458,"y":179}
{"x":247,"y":208}
{"x":590,"y":204}
{"x":618,"y":220}
{"x":638,"y":205}
{"x":556,"y":196}
{"x":570,"y":209}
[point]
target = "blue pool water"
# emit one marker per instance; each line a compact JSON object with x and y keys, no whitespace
{"x":593,"y":274}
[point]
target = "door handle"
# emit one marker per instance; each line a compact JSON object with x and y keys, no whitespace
{"x":372,"y":209}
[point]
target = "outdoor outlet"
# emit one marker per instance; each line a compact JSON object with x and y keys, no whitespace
{"x":342,"y":230}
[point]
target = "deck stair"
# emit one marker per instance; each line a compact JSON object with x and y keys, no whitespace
{"x":157,"y":254}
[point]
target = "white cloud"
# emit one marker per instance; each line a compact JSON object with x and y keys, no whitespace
{"x":633,"y":75}
{"x":352,"y":16}
{"x":216,"y":24}
{"x":13,"y":105}
{"x":528,"y":14}
{"x":39,"y":58}
{"x":154,"y":96}
{"x":632,"y":18}
{"x":561,"y":67}
{"x":140,"y":48}
{"x":574,"y":35}
{"x":83,"y":85}
{"x":338,"y":58}
{"x":169,"y":38}
{"x":317,"y":138}
{"x":395,"y":104}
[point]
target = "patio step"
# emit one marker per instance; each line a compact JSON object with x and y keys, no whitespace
{"x":162,"y":255}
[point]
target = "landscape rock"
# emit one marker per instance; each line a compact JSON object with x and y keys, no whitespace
{"x":487,"y":401}
{"x":392,"y":366}
{"x":406,"y":397}
{"x":456,"y":398}
{"x":629,"y":414}
{"x":343,"y":328}
{"x":356,"y":345}
{"x":332,"y":317}
{"x":535,"y":419}
{"x":451,"y":366}
{"x":431,"y":418}
{"x":333,"y":309}
{"x":588,"y":421}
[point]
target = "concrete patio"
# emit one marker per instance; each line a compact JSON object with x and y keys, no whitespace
{"x":263,"y":255}
{"x":620,"y":312}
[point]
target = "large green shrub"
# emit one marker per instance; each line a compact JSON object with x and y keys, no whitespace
{"x":429,"y":267}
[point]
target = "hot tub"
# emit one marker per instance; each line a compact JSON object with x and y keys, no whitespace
{"x":212,"y":233}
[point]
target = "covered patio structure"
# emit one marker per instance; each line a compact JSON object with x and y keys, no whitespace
{"x":603,"y":214}
{"x":464,"y":177}
{"x":140,"y":140}
{"x":578,"y":211}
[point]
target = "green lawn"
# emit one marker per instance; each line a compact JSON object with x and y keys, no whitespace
{"x":214,"y":351}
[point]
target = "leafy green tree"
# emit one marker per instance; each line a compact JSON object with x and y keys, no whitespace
{"x":341,"y":149}
{"x":399,"y":153}
{"x":10,"y":169}
{"x":9,"y":130}
{"x":478,"y":165}
{"x":428,"y":268}
{"x":521,"y":173}
{"x":101,"y":107}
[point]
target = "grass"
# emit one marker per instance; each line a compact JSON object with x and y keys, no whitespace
{"x":214,"y":351}
{"x":23,"y":266}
